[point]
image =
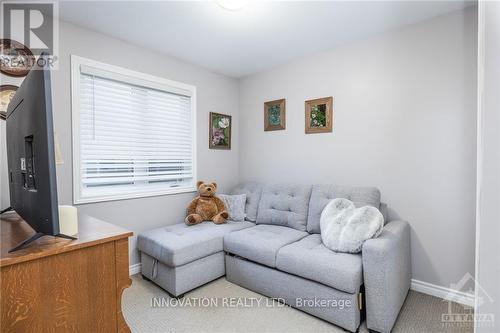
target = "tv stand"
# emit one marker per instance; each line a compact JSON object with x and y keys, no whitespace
{"x":33,"y":238}
{"x":66,"y":236}
{"x":8,"y":209}
{"x":83,"y":279}
{"x":27,"y":241}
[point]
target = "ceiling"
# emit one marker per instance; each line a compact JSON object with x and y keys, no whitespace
{"x":259,"y":36}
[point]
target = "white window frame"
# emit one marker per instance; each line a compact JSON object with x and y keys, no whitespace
{"x":129,"y":76}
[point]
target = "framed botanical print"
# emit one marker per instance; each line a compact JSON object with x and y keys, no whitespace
{"x":275,"y":115}
{"x":319,"y":115}
{"x":219,"y":131}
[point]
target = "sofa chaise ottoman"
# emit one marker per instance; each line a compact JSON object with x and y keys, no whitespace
{"x":180,"y":258}
{"x":281,"y":255}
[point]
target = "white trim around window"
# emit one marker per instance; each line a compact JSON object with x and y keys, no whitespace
{"x":147,"y":160}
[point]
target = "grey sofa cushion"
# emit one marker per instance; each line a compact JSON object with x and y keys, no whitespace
{"x":253,"y":192}
{"x":310,"y":259}
{"x":180,"y":244}
{"x":322,"y":194}
{"x":285,"y":205}
{"x":261,"y":243}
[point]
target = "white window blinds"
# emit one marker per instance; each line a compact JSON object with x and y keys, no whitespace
{"x":135,"y":138}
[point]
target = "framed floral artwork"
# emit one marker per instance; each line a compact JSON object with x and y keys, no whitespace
{"x":219,"y":131}
{"x":274,"y":115}
{"x":319,"y":115}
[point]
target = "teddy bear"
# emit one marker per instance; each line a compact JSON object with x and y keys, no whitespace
{"x":206,"y":206}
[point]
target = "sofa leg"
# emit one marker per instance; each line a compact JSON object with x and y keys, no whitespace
{"x":372,"y":331}
{"x":169,"y":294}
{"x":176,"y":297}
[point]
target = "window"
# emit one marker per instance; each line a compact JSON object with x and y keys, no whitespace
{"x":133,"y":134}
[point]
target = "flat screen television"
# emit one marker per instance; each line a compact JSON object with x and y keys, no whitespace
{"x":31,"y":157}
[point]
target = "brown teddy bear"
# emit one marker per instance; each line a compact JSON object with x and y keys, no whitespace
{"x":206,"y":206}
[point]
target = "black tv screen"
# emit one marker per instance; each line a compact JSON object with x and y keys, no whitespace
{"x":30,"y":153}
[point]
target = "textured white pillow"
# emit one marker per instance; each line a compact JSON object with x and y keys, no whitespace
{"x":344,"y":228}
{"x":235,"y":205}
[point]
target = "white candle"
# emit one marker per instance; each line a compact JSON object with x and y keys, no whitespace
{"x":68,"y":220}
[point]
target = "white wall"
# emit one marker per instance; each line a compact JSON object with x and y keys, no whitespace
{"x":488,"y":209}
{"x":404,"y":121}
{"x":214,"y":93}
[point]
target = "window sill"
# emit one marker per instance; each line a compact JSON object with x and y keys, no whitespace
{"x":80,"y":201}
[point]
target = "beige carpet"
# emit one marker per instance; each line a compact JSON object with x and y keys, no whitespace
{"x":420,"y":313}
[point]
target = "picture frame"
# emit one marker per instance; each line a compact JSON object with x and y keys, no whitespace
{"x":12,"y":51}
{"x":319,"y":115}
{"x":219,"y":131}
{"x":7,"y":91}
{"x":275,"y":115}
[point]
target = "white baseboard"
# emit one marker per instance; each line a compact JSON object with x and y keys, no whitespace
{"x":442,"y":292}
{"x":420,"y":286}
{"x":134,"y":269}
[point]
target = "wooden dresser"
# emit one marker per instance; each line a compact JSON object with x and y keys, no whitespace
{"x":61,"y":285}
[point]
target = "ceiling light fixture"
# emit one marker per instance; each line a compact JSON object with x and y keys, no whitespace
{"x":232,"y":4}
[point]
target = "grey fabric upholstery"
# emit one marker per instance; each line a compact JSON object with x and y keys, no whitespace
{"x":278,"y":258}
{"x":181,"y":279}
{"x":295,"y":290}
{"x":253,"y":191}
{"x":261,"y":243}
{"x":284,"y":205}
{"x":180,"y":244}
{"x":385,"y":211}
{"x":310,"y":259}
{"x":387,"y":275}
{"x":322,"y":194}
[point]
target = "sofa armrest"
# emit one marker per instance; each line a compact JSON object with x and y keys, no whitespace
{"x":387,"y":275}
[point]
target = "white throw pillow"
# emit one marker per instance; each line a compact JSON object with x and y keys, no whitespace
{"x":235,"y":205}
{"x":344,"y":228}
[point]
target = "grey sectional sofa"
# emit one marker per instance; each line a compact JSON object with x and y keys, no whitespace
{"x":278,"y":252}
